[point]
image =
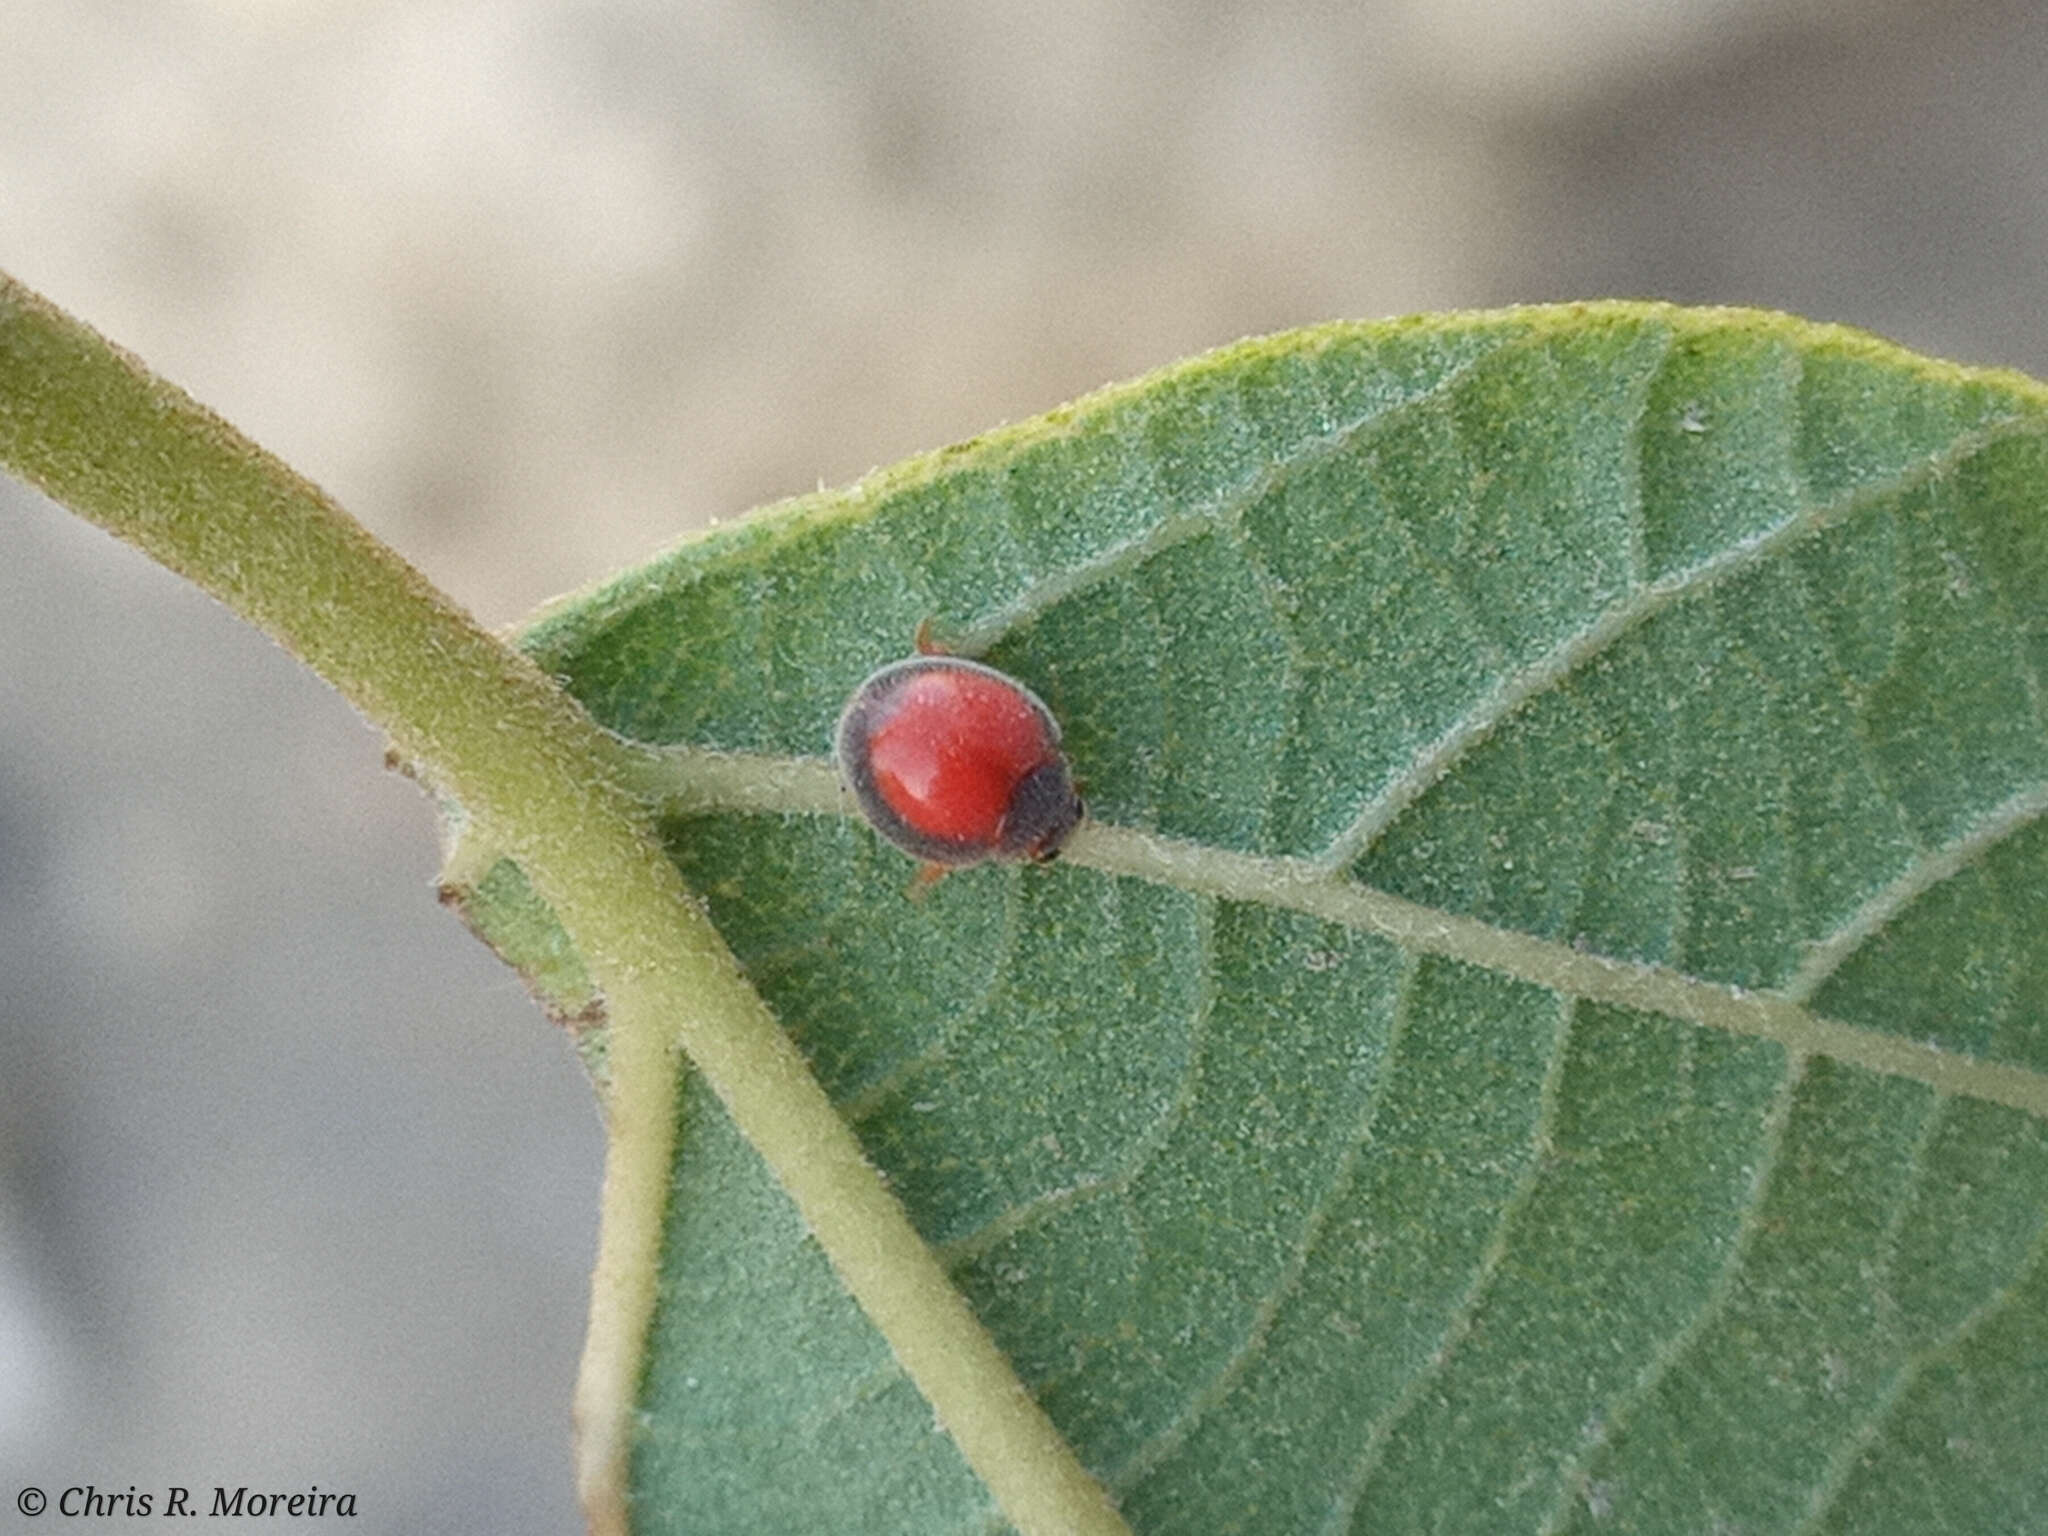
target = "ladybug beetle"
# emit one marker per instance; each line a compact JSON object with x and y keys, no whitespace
{"x":954,"y":763}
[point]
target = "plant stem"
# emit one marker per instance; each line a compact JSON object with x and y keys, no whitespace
{"x":92,"y":428}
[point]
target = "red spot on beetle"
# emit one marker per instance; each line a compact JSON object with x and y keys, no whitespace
{"x":954,"y":762}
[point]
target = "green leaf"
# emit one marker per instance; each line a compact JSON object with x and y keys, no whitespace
{"x":1548,"y":1029}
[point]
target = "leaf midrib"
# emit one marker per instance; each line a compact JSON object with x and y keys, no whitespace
{"x":695,"y":780}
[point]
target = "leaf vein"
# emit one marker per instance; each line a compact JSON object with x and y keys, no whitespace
{"x":1932,"y":868}
{"x":1842,"y":1466}
{"x":1170,"y":1437}
{"x":1459,"y":1324}
{"x":1572,"y":1481}
{"x":1271,"y":588}
{"x":870,"y":1097}
{"x":1016,"y":1218}
{"x":810,"y":786}
{"x":1220,"y":511}
{"x":1619,"y":618}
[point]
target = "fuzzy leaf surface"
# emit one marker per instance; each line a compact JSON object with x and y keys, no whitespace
{"x":1709,"y":643}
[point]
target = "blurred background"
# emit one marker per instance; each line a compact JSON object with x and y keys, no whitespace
{"x":295,"y":1187}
